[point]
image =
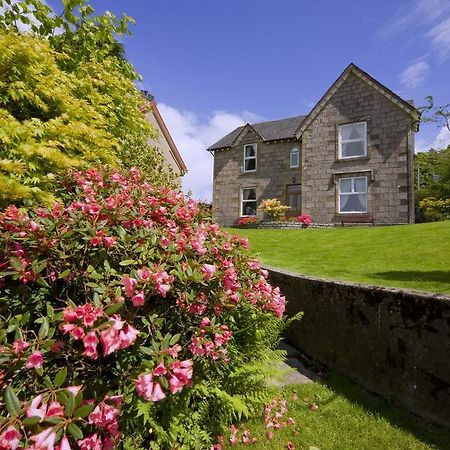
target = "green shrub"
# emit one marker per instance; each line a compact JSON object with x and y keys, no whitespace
{"x":121,"y":296}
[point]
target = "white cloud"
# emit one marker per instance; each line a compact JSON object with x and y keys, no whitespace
{"x":414,"y":74}
{"x":438,"y":141}
{"x":440,"y":38}
{"x":193,"y":136}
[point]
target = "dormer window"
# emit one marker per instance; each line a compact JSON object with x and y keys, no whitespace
{"x":353,"y":140}
{"x":250,"y":158}
{"x":294,"y":157}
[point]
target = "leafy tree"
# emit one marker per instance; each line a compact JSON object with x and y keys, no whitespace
{"x":436,"y":114}
{"x":67,"y":99}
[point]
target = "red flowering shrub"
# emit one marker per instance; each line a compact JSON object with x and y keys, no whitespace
{"x":127,"y":322}
{"x":305,"y":219}
{"x":246,"y":220}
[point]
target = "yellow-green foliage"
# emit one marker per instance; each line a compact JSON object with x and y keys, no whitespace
{"x":273,"y":208}
{"x":435,"y":209}
{"x":52,"y":118}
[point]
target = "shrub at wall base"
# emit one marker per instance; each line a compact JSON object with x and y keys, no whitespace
{"x":127,"y":322}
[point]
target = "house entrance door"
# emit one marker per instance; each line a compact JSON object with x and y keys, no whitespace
{"x":294,"y":199}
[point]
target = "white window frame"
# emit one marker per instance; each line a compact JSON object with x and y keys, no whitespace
{"x":248,"y":158}
{"x":293,"y":151}
{"x":341,"y":141}
{"x":352,"y":192}
{"x":242,"y":201}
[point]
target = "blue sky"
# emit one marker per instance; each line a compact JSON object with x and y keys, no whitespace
{"x":213,"y":64}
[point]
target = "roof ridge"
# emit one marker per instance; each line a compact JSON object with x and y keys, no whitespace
{"x":277,"y":120}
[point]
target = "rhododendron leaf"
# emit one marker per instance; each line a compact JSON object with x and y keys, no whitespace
{"x":12,"y":402}
{"x":148,"y":363}
{"x":50,"y":310}
{"x":166,"y":342}
{"x":96,"y":299}
{"x":61,"y":397}
{"x":60,"y":377}
{"x":175,"y":339}
{"x":64,"y":274}
{"x":43,"y":330}
{"x":127,"y":262}
{"x":92,"y":285}
{"x":70,"y":404}
{"x":41,"y":281}
{"x":15,"y":263}
{"x":53,"y":420}
{"x":75,"y":431}
{"x":30,"y":421}
{"x":114,"y":308}
{"x":84,"y":411}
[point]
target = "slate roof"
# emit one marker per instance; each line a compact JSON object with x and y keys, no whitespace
{"x":269,"y":131}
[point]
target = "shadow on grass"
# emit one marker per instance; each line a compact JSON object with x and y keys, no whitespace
{"x":433,"y":435}
{"x":435,"y":276}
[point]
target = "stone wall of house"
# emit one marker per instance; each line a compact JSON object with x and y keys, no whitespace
{"x":389,"y":152}
{"x":394,"y":343}
{"x":273,"y":174}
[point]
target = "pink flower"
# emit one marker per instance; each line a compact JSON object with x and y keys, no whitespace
{"x":129,"y":285}
{"x":110,"y":339}
{"x":127,"y":336}
{"x":64,"y":445}
{"x":36,"y":409}
{"x":57,"y":346}
{"x":73,"y":390}
{"x":69,"y":314}
{"x":90,"y":342}
{"x":208,"y":271}
{"x":33,"y":226}
{"x":92,"y":442}
{"x":45,"y":440}
{"x":269,"y":435}
{"x":138,"y":299}
{"x":19,"y":346}
{"x":144,"y":274}
{"x":35,"y":361}
{"x":55,"y":409}
{"x":144,"y":385}
{"x":96,"y":241}
{"x":159,"y":370}
{"x":10,"y":438}
{"x":290,"y":445}
{"x":109,"y":241}
{"x":175,"y":384}
{"x":158,"y":393}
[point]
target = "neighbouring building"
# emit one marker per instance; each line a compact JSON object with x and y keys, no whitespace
{"x":350,"y":158}
{"x":163,"y":140}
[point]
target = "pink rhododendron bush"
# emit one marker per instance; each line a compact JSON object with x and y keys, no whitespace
{"x":128,"y":322}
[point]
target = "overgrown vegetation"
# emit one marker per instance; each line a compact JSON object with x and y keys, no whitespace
{"x":408,"y":256}
{"x":67,"y":99}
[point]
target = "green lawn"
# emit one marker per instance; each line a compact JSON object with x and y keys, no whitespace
{"x":346,"y":418}
{"x":407,"y":256}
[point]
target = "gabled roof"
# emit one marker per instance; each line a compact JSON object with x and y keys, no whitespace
{"x":149,"y":104}
{"x":268,"y":131}
{"x":354,"y":69}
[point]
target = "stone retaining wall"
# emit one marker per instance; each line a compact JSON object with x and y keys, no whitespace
{"x":392,"y":342}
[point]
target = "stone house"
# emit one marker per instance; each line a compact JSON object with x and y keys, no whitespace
{"x":350,"y":158}
{"x":163,"y":141}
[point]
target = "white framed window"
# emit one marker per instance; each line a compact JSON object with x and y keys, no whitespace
{"x":353,"y":195}
{"x":249,"y":204}
{"x":353,"y":140}
{"x":250,"y":157}
{"x":294,"y":157}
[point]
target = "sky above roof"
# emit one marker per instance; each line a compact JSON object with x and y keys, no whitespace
{"x":215,"y":65}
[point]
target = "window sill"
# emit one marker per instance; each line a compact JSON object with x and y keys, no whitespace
{"x":355,"y":158}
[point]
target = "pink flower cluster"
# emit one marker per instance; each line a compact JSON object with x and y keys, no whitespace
{"x":305,"y":219}
{"x":179,"y":375}
{"x":274,"y":416}
{"x":105,"y":417}
{"x":79,"y":323}
{"x":266,"y":297}
{"x":134,"y":288}
{"x":246,"y":438}
{"x":210,"y":340}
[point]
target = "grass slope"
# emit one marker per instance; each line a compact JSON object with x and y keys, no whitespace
{"x":406,"y":256}
{"x":347,"y":417}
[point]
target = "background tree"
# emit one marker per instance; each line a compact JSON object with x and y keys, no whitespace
{"x":67,"y":98}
